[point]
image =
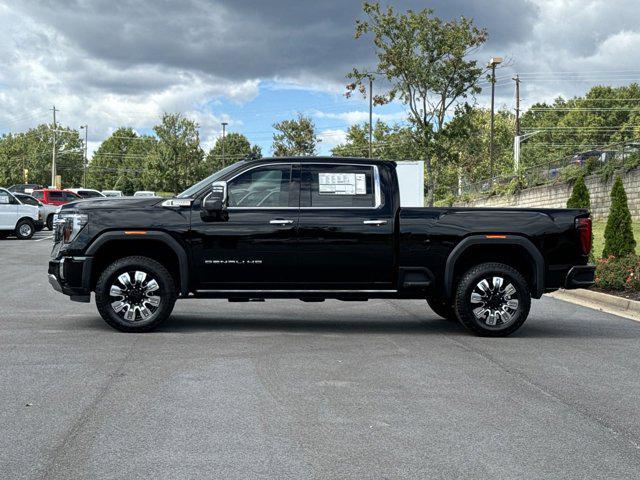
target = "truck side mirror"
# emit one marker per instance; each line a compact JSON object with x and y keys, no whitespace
{"x":216,"y":201}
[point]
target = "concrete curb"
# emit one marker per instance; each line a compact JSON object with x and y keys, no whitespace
{"x":604,"y":302}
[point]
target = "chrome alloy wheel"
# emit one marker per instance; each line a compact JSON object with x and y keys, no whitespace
{"x":494,"y":303}
{"x":135,"y":298}
{"x":25,"y":229}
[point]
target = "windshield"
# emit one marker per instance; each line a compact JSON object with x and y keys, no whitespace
{"x":209,"y":180}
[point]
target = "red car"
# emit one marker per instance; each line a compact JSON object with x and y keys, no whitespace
{"x":55,"y":197}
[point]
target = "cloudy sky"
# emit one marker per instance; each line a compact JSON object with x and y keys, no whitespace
{"x":111,"y":63}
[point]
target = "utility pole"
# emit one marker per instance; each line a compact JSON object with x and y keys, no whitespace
{"x":517,"y":80}
{"x":53,"y":154}
{"x":516,"y":138}
{"x":224,"y":134}
{"x":492,"y":64}
{"x":370,"y":116}
{"x":84,"y":163}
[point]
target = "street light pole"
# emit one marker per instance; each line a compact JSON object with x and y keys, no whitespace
{"x":370,"y":116}
{"x":84,"y":163}
{"x":224,"y":131}
{"x":53,"y":154}
{"x":492,"y":64}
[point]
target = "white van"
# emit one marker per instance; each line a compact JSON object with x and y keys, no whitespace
{"x":15,"y":218}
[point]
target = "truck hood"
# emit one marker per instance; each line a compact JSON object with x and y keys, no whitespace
{"x":113,"y":203}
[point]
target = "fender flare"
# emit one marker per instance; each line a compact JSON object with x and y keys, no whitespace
{"x":536,"y":256}
{"x":168,"y":240}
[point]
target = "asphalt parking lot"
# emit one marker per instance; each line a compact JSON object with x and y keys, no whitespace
{"x":284,"y":389}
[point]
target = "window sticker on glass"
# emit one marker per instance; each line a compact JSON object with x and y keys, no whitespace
{"x":342,"y":184}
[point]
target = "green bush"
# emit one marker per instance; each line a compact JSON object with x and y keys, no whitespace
{"x":579,"y":195}
{"x":570,"y":174}
{"x":618,"y":235}
{"x":618,"y":273}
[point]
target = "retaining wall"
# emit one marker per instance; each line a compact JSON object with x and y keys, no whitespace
{"x":556,"y":196}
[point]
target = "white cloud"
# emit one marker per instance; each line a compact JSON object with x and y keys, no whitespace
{"x":41,"y":68}
{"x":359,"y":116}
{"x":329,"y":138}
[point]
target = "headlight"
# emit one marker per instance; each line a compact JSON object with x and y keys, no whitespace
{"x":67,"y":226}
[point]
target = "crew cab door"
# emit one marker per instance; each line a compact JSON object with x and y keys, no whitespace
{"x":8,"y":211}
{"x":346,"y":228}
{"x":253,"y":245}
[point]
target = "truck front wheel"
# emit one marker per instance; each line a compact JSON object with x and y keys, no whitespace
{"x":135,"y":294}
{"x":492,"y":299}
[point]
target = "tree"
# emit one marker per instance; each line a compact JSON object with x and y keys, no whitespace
{"x":31,"y":150}
{"x":389,"y":142}
{"x":618,"y":235}
{"x":603,"y":116}
{"x":579,"y":195}
{"x":465,"y":147}
{"x":297,"y":137}
{"x":236,"y":147}
{"x":121,"y":161}
{"x":427,"y":63}
{"x":177,"y":160}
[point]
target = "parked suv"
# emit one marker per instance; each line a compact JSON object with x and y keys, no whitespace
{"x":15,"y":218}
{"x":55,"y":197}
{"x":312,"y":229}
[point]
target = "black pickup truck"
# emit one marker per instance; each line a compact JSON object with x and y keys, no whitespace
{"x":314,"y":229}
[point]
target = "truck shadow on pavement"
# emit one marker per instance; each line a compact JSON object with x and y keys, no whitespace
{"x":186,"y":323}
{"x":543,"y":328}
{"x":190,"y":323}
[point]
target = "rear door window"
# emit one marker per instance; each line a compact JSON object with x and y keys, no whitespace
{"x":58,"y":196}
{"x":339,"y":186}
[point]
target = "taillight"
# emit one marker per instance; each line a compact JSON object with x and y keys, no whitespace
{"x":583,"y":225}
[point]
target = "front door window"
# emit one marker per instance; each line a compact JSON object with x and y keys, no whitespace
{"x":267,"y":187}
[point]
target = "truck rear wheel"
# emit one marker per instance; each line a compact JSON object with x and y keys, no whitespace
{"x":135,"y":294}
{"x":492,"y":300}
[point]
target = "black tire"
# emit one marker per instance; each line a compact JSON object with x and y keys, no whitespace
{"x":49,"y":222}
{"x":442,"y":309}
{"x":493,"y":297}
{"x":25,"y":229}
{"x":135,"y":296}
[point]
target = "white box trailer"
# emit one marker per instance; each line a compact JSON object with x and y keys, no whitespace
{"x":411,"y":182}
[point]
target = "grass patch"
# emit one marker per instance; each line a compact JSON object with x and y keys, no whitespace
{"x":598,"y":236}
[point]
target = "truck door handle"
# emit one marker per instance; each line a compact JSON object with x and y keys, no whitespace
{"x":280,"y":221}
{"x":375,"y":222}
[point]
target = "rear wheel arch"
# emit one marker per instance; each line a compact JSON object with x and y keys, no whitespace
{"x":156,"y":245}
{"x":513,"y":250}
